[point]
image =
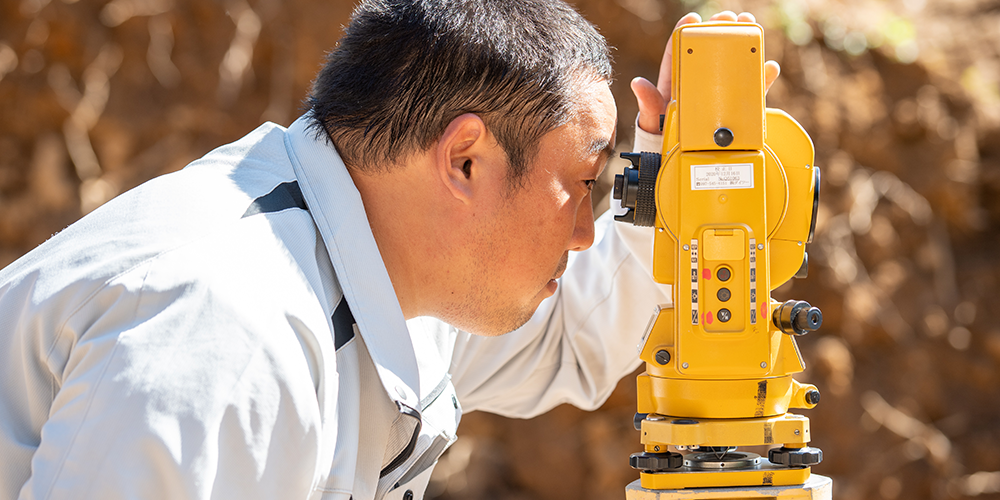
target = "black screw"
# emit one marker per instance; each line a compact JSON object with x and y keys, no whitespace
{"x":753,"y":49}
{"x":662,"y":357}
{"x":812,"y":397}
{"x":724,"y":294}
{"x":408,"y":495}
{"x":725,"y":315}
{"x":723,"y":137}
{"x":690,"y":51}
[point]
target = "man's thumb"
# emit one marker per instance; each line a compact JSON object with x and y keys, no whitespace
{"x":651,"y":104}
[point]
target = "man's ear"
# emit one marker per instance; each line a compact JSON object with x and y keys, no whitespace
{"x":460,"y":154}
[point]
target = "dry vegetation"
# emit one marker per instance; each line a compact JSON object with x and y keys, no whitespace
{"x":901,"y":98}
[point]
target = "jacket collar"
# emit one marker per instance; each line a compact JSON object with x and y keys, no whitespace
{"x":337,"y":209}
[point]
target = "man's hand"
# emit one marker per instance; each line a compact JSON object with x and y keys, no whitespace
{"x":653,"y":99}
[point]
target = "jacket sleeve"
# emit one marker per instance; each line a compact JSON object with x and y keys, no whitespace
{"x":174,"y":390}
{"x":582,"y":340}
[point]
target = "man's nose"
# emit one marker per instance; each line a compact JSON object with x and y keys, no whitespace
{"x":583,"y":231}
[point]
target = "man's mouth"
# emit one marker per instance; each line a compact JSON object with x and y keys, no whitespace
{"x":562,"y":266}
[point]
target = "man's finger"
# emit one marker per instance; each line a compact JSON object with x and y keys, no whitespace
{"x":771,"y":72}
{"x":726,"y":15}
{"x":690,"y":17}
{"x":746,"y":17}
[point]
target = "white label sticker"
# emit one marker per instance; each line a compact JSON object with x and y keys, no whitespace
{"x":723,"y":176}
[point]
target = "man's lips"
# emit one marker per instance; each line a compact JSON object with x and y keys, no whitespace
{"x":562,"y":266}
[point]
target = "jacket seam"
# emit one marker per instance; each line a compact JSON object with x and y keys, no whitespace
{"x":331,"y":490}
{"x":100,"y":380}
{"x":86,"y":301}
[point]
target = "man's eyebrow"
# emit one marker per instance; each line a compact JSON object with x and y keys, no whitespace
{"x":602,"y":146}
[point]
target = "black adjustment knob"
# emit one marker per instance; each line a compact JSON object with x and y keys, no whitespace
{"x":797,"y":317}
{"x":812,"y":397}
{"x":662,"y":356}
{"x":636,"y":188}
{"x":796,"y":457}
{"x":656,"y":462}
{"x":723,"y":137}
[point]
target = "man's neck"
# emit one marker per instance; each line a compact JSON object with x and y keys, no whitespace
{"x":409,"y":230}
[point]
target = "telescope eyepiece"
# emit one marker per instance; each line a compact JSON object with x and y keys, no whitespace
{"x":635,"y":187}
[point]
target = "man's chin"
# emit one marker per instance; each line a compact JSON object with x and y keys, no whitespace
{"x":476,"y":317}
{"x":497,"y":323}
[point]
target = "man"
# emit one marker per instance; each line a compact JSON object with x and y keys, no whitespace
{"x":287,"y":317}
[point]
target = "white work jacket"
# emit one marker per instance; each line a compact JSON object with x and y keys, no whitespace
{"x":230,"y":331}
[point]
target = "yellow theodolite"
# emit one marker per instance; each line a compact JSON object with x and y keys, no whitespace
{"x":733,"y":201}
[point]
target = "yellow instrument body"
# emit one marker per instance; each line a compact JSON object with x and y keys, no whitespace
{"x":731,"y":225}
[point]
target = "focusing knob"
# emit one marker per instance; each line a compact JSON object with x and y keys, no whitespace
{"x":797,"y":317}
{"x":636,"y":188}
{"x":656,"y":462}
{"x":796,"y":457}
{"x":812,"y":397}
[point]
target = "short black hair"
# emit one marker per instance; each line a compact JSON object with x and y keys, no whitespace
{"x":405,"y":69}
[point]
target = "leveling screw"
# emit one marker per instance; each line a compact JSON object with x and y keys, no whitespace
{"x":655,"y":462}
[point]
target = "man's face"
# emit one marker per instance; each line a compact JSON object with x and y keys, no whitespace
{"x":524,"y":244}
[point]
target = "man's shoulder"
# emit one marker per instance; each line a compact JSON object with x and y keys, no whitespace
{"x":204,"y":206}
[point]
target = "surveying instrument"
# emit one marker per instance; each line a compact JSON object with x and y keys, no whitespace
{"x":732,"y":200}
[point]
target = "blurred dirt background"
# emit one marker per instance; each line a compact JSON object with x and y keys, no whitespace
{"x":901,"y":98}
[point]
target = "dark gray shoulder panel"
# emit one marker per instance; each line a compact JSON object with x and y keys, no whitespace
{"x":284,"y":196}
{"x":343,"y":324}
